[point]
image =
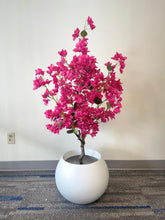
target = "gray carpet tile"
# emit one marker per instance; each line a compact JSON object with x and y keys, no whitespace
{"x":131,"y":194}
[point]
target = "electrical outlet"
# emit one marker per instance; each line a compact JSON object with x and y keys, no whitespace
{"x":11,"y":138}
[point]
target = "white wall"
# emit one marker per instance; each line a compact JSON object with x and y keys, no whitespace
{"x":31,"y":34}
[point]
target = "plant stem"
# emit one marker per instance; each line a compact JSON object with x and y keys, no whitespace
{"x":82,"y":151}
{"x":82,"y":140}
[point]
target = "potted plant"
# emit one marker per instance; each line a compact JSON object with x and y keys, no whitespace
{"x":83,"y":97}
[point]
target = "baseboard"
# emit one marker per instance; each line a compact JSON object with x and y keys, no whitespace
{"x":28,"y":165}
{"x":136,"y":164}
{"x":112,"y":165}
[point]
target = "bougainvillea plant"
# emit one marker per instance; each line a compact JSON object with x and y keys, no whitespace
{"x":83,"y":96}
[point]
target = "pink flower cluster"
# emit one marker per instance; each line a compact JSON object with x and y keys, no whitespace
{"x":91,"y":23}
{"x":76,"y":34}
{"x":83,"y":95}
{"x":119,"y":57}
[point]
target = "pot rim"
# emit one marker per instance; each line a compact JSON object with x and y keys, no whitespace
{"x":89,"y":152}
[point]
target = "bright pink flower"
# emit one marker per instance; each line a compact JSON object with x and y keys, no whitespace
{"x":119,"y":57}
{"x":53,"y":92}
{"x":81,"y":46}
{"x":51,"y":68}
{"x":91,"y":23}
{"x":38,"y":82}
{"x":46,"y":82}
{"x":46,"y":93}
{"x":46,"y":101}
{"x":76,"y":34}
{"x":116,"y":110}
{"x":63,"y":53}
{"x":53,"y":128}
{"x":39,"y":71}
{"x":49,"y":114}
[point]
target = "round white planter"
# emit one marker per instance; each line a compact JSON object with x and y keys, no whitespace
{"x":82,"y":184}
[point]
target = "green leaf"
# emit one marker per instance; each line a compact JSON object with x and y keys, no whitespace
{"x":84,"y":33}
{"x":75,"y":104}
{"x":108,"y":105}
{"x":97,"y":100}
{"x":109,"y":67}
{"x":75,"y":123}
{"x":90,"y":87}
{"x":60,"y":124}
{"x":70,"y":131}
{"x":55,"y":118}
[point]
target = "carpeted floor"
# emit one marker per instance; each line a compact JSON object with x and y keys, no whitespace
{"x":131,"y":194}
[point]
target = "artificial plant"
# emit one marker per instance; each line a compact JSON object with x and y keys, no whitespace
{"x":83,"y":96}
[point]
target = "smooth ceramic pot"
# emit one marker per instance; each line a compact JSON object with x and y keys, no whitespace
{"x":82,"y":184}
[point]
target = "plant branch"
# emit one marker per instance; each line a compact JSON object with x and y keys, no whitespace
{"x":82,"y":140}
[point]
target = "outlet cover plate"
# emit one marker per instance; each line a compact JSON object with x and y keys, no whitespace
{"x":11,"y":138}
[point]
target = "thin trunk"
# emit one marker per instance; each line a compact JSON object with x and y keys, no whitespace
{"x":82,"y":140}
{"x":82,"y":151}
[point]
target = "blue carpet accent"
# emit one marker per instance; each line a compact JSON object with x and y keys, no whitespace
{"x":84,"y":207}
{"x":110,"y":207}
{"x":21,"y":176}
{"x":106,"y":207}
{"x":158,"y":210}
{"x":47,"y":176}
{"x":10,"y":198}
{"x":31,"y":208}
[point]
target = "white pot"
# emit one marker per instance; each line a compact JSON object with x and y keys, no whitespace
{"x":82,"y":184}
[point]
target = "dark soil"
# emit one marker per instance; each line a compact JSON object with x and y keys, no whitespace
{"x":86,"y":159}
